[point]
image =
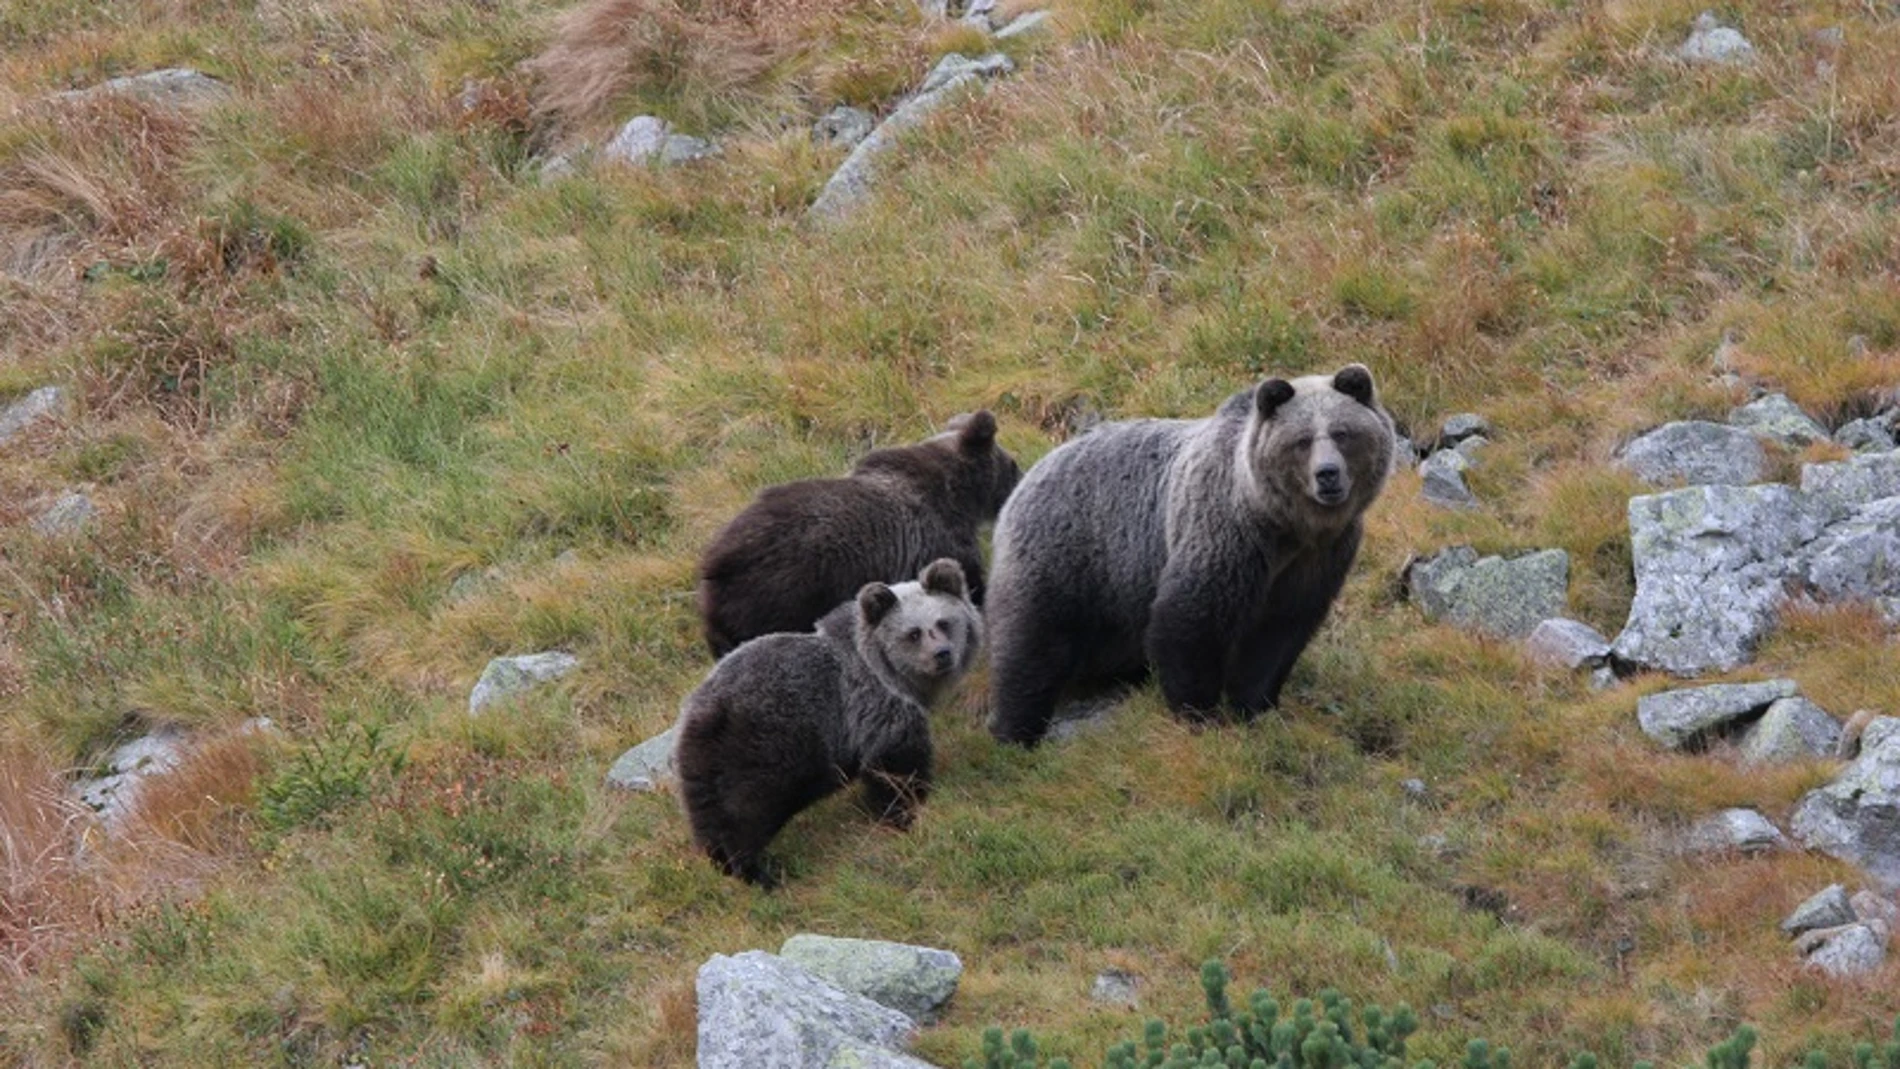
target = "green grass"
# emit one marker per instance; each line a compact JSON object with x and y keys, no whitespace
{"x":365,"y":402}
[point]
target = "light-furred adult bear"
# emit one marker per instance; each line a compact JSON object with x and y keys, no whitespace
{"x":1208,"y":549}
{"x":803,"y":547}
{"x":785,"y":720}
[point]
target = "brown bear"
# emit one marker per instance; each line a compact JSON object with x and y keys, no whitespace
{"x":803,"y":547}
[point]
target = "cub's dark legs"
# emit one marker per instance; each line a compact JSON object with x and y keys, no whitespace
{"x":897,"y":780}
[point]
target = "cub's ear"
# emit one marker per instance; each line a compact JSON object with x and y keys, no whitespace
{"x":976,"y":431}
{"x":875,"y":600}
{"x":1270,"y":395}
{"x":943,"y":576}
{"x":1355,"y":381}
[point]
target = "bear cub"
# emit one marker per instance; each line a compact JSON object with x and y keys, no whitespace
{"x":1208,"y":550}
{"x":803,"y":547}
{"x":786,"y":720}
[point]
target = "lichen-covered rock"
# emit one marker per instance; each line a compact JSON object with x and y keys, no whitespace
{"x":1858,"y":558}
{"x":1791,"y":730}
{"x":1866,"y":436}
{"x":1500,"y":597}
{"x":1850,"y":950}
{"x":1857,"y":816}
{"x":113,"y":794}
{"x":506,"y":677}
{"x":759,"y":1011}
{"x":1674,"y":717}
{"x":1711,"y":42}
{"x":843,"y":126}
{"x":1844,"y":486}
{"x":916,"y":981}
{"x":1830,"y":908}
{"x":1116,"y":987}
{"x":177,"y":87}
{"x":1695,"y":452}
{"x":648,"y":139}
{"x":1712,"y":563}
{"x":645,"y":767}
{"x":1734,"y":831}
{"x":42,"y":403}
{"x":1775,"y":416}
{"x":1561,"y":643}
{"x":1442,"y":480}
{"x":69,"y":514}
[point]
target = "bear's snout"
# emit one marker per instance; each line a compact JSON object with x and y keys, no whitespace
{"x":943,"y":658}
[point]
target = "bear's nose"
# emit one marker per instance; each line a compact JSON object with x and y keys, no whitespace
{"x":1328,"y":478}
{"x":943,"y":658}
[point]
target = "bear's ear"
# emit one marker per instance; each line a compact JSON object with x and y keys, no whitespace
{"x":875,"y":600}
{"x":1355,"y":381}
{"x":1270,"y":395}
{"x":943,"y":576}
{"x":976,"y":431}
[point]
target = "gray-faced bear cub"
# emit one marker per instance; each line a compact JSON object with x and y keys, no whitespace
{"x":803,"y":547}
{"x":784,"y":720}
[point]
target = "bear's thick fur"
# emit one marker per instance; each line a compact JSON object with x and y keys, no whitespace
{"x":1209,"y":550}
{"x":785,"y":720}
{"x":803,"y":547}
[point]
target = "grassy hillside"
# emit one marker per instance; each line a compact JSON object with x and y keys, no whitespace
{"x":365,"y":401}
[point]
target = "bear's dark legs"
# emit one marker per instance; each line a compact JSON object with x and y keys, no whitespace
{"x":897,"y":780}
{"x":1299,"y":600}
{"x":1187,"y":644}
{"x":734,"y":819}
{"x":1028,"y":671}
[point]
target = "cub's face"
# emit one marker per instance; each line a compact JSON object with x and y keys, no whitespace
{"x":925,"y":630}
{"x":1321,"y":442}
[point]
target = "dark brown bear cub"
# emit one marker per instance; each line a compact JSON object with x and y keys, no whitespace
{"x":788,"y":719}
{"x":803,"y":547}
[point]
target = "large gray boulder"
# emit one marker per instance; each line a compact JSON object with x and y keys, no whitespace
{"x":648,"y":766}
{"x":506,"y":677}
{"x":1829,"y":908}
{"x":915,"y":981}
{"x":759,"y":1011}
{"x":43,"y":403}
{"x":1500,"y":597}
{"x":1743,"y":831}
{"x":1712,"y":563}
{"x":1561,"y":643}
{"x":1858,"y":558}
{"x":1857,"y":817}
{"x":1846,"y":485}
{"x":1696,"y":452}
{"x":1675,"y":717}
{"x":1793,"y":729}
{"x":1775,"y":416}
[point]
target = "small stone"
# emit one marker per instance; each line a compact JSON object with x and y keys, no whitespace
{"x":1442,"y":480}
{"x":506,"y":677}
{"x":1866,"y":436}
{"x":955,"y":66}
{"x":1471,"y":448}
{"x":1827,"y":909}
{"x":1083,"y":716}
{"x":1697,"y":453}
{"x":1461,"y":426}
{"x":1775,"y":416}
{"x":915,"y":981}
{"x":1711,"y":42}
{"x":1404,"y":454}
{"x":1022,"y":24}
{"x":1741,"y":830}
{"x":759,"y":1011}
{"x":113,"y":795}
{"x":1500,"y":597}
{"x":1852,"y":950}
{"x":685,"y":148}
{"x":843,"y":126}
{"x":1116,"y":987}
{"x":1675,"y":717}
{"x":979,"y":14}
{"x":72,"y":513}
{"x":1791,"y":730}
{"x":1869,"y":906}
{"x":42,"y":403}
{"x":641,"y":140}
{"x":645,"y":767}
{"x":178,"y":87}
{"x":1603,"y":678}
{"x":558,"y":166}
{"x":1414,"y":789}
{"x":1561,"y":643}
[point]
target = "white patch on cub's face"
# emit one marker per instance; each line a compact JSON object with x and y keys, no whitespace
{"x":922,"y":634}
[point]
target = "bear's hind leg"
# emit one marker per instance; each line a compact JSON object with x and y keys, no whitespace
{"x":1028,"y":671}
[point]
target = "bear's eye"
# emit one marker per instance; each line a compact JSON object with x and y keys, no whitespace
{"x":944,"y":626}
{"x":1304,"y":441}
{"x":915,"y":634}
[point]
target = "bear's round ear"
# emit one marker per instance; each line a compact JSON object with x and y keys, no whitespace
{"x":976,"y":431}
{"x":943,"y":576}
{"x":1355,"y":381}
{"x":1270,"y":395}
{"x":874,"y":601}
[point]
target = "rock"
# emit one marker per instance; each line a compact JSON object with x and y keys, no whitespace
{"x":1851,"y":950}
{"x":1414,"y":789}
{"x":1858,"y":558}
{"x":42,"y":403}
{"x":507,"y":676}
{"x":1502,"y":598}
{"x":1442,"y":478}
{"x":1116,"y":987}
{"x":1856,"y":818}
{"x":1775,"y":416}
{"x":1827,"y":909}
{"x":647,"y":766}
{"x":1561,"y":643}
{"x":72,"y":513}
{"x":1603,"y":678}
{"x":1866,"y":436}
{"x":1845,"y":485}
{"x":1675,"y":717}
{"x":177,"y":87}
{"x":1696,"y":453}
{"x":851,"y":183}
{"x":639,"y":141}
{"x":1791,"y":729}
{"x":558,"y":166}
{"x":758,"y":1011}
{"x":113,"y":794}
{"x":1711,"y":42}
{"x":1025,"y":23}
{"x":915,"y":981}
{"x":1471,"y":448}
{"x":1404,"y":454}
{"x":980,"y":14}
{"x":843,"y":126}
{"x":1740,"y":830}
{"x":1711,"y":563}
{"x":1461,"y":426}
{"x":685,"y":148}
{"x":1083,"y":716}
{"x":1869,"y":906}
